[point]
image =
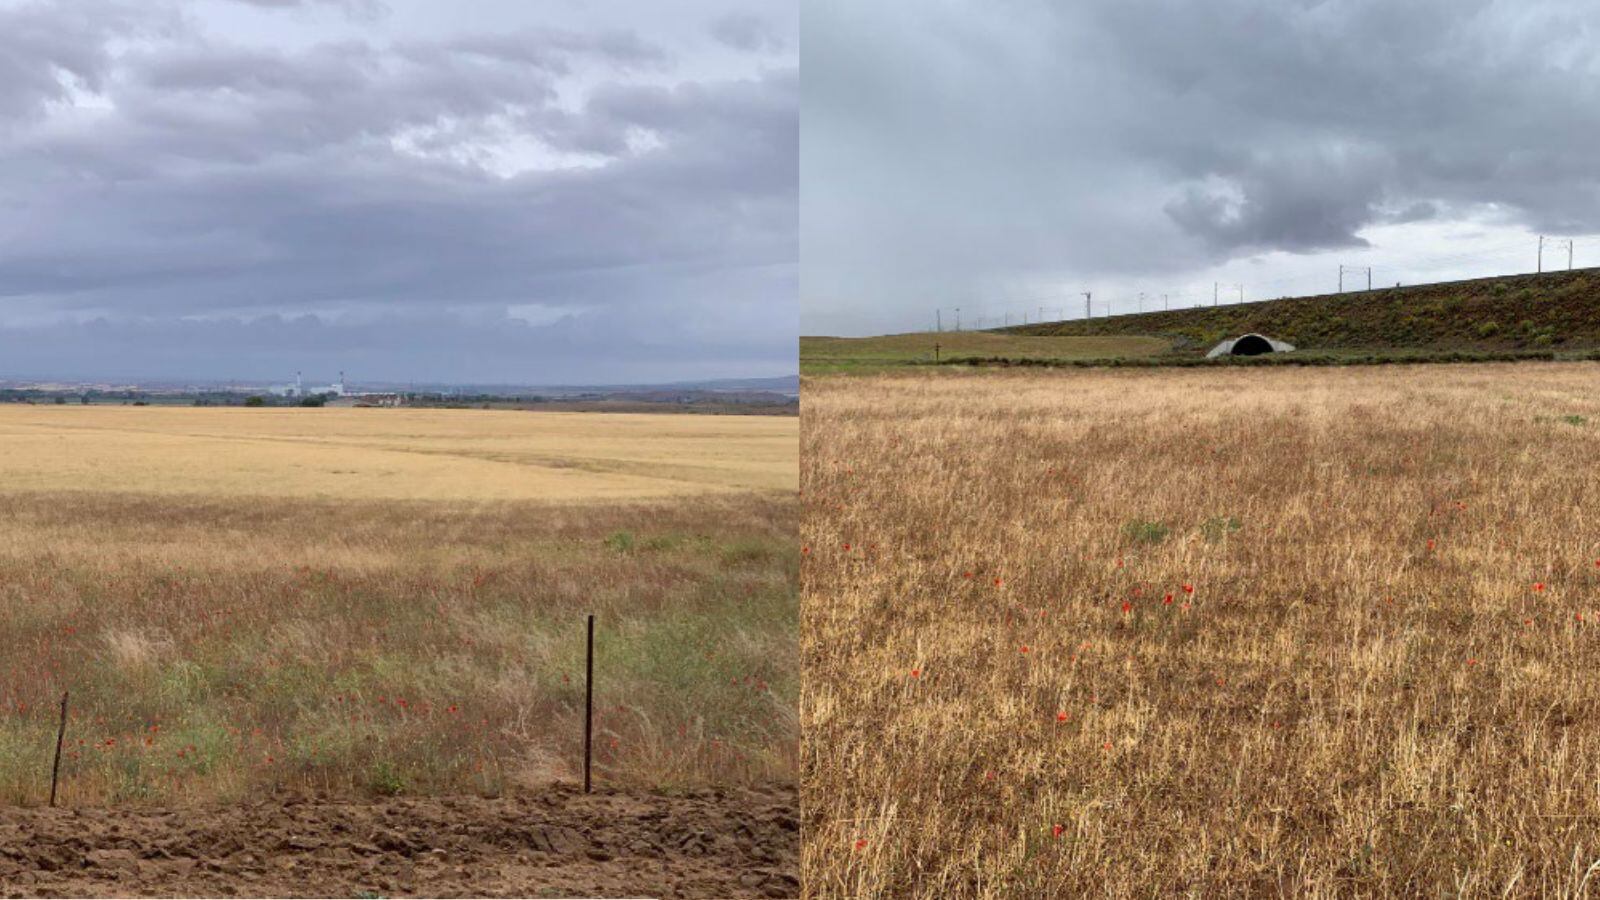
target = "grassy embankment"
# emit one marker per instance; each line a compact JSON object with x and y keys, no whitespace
{"x":861,"y":356}
{"x":1549,"y":316}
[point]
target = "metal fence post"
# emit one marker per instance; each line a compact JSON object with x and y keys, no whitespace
{"x":588,"y":707}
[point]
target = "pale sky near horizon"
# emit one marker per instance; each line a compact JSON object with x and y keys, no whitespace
{"x":1010,"y":155}
{"x":519,"y":192}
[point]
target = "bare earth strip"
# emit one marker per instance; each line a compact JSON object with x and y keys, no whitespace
{"x":557,"y":843}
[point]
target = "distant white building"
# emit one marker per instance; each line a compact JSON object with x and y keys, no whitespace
{"x":335,"y":389}
{"x":298,"y":388}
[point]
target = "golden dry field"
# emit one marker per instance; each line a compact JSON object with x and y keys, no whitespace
{"x":380,"y":601}
{"x":420,"y":454}
{"x":1116,"y":633}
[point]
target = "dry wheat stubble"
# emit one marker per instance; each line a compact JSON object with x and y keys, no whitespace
{"x":1138,"y":633}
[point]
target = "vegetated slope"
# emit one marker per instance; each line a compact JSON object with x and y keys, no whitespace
{"x":1553,"y":311}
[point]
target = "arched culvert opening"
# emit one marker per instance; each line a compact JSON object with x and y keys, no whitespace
{"x":1251,"y":345}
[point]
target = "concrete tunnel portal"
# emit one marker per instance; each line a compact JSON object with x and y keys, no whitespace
{"x":1249,"y":345}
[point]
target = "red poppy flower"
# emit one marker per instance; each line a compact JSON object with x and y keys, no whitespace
{"x":1167,"y":600}
{"x":1126,"y":607}
{"x":1061,"y":716}
{"x":1188,"y":589}
{"x":1055,"y":830}
{"x":1024,"y":648}
{"x":1538,"y":586}
{"x":861,"y":843}
{"x":916,"y":673}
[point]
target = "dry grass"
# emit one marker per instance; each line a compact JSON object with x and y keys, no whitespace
{"x":1381,"y":684}
{"x":400,"y":454}
{"x":223,"y":637}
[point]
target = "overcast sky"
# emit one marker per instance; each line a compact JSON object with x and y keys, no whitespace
{"x":1009,"y":154}
{"x":528,"y":191}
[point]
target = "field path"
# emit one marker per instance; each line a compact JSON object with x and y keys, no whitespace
{"x":713,"y":842}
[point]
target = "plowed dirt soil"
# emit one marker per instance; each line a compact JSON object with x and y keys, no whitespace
{"x":551,"y":843}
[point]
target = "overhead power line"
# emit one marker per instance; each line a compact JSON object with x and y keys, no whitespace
{"x":1302,"y":285}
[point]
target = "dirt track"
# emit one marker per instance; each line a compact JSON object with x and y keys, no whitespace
{"x":558,"y":843}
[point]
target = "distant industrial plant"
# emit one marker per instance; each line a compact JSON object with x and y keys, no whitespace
{"x":336,"y":394}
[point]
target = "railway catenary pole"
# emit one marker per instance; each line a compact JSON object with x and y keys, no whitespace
{"x":1354,"y":269}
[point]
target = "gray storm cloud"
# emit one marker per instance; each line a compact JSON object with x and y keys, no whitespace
{"x":955,"y":148}
{"x":522,"y":199}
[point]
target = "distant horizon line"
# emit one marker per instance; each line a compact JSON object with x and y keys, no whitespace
{"x":247,"y":384}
